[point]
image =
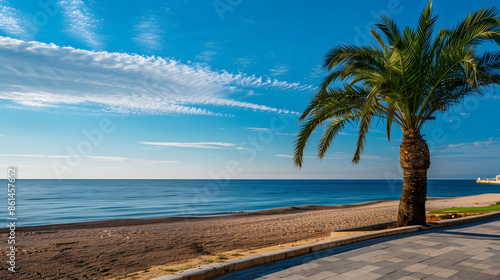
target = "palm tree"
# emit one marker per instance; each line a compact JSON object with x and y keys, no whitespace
{"x":405,"y":80}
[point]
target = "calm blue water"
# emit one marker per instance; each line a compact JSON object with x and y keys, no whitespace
{"x":41,"y":202}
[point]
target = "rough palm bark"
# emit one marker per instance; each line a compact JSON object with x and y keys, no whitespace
{"x":415,"y":160}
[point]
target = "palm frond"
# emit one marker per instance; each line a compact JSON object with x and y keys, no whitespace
{"x":407,"y":78}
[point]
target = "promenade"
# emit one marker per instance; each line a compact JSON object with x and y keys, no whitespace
{"x":469,"y":251}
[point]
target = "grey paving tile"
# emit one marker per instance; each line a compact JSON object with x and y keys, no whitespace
{"x":445,"y":273}
{"x":464,"y":274}
{"x":434,"y":277}
{"x":397,"y":275}
{"x":322,"y":275}
{"x":418,"y":275}
{"x":384,"y":270}
{"x":483,"y":276}
{"x":415,"y":267}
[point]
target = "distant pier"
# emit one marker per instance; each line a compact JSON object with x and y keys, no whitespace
{"x":489,"y":180}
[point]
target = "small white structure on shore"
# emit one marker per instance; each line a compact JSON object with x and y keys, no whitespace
{"x":489,"y":180}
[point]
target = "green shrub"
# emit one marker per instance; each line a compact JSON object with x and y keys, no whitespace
{"x":221,"y":257}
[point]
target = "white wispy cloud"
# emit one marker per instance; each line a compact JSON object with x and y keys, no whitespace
{"x":353,"y":134}
{"x":393,"y":140}
{"x":257,"y":129}
{"x":250,"y":93}
{"x":349,"y":134}
{"x":286,"y":156}
{"x":479,"y":148}
{"x":198,"y":145}
{"x":486,"y":142}
{"x":290,"y":156}
{"x":42,"y":74}
{"x":468,"y":146}
{"x":341,"y":156}
{"x":206,"y":55}
{"x":11,"y":21}
{"x":243,"y":62}
{"x":374,"y":157}
{"x":149,"y":33}
{"x":279,"y":70}
{"x":81,"y":22}
{"x":317,"y":71}
{"x":210,"y":51}
{"x":96,"y":158}
{"x":262,"y":129}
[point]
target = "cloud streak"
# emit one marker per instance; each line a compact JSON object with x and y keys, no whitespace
{"x":290,"y":156}
{"x":279,"y":70}
{"x":149,"y":33}
{"x":478,"y":149}
{"x":39,"y":74}
{"x":209,"y":52}
{"x":366,"y":157}
{"x":197,"y":145}
{"x":81,"y":22}
{"x":257,"y":129}
{"x":11,"y":21}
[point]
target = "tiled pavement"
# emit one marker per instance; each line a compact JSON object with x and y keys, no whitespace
{"x":470,"y":251}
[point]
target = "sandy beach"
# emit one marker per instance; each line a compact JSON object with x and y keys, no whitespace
{"x":109,"y":249}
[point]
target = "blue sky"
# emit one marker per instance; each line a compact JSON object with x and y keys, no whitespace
{"x":204,"y":89}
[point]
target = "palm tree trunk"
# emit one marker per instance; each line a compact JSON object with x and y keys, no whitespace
{"x":414,"y":158}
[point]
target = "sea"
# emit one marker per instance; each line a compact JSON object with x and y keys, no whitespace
{"x":44,"y":202}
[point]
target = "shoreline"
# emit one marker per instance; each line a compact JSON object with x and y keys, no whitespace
{"x":171,"y":219}
{"x":114,"y":248}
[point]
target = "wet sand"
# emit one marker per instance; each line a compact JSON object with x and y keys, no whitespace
{"x":113,"y":248}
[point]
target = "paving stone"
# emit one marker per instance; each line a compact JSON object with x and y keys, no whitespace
{"x":322,"y":275}
{"x":332,"y":259}
{"x":348,"y":267}
{"x":295,"y":277}
{"x":362,"y":270}
{"x":469,"y":262}
{"x":397,"y":274}
{"x":434,"y":277}
{"x":409,"y":278}
{"x":384,"y":270}
{"x":483,"y":276}
{"x":415,"y":267}
{"x":494,"y":272}
{"x":395,"y":260}
{"x":427,"y":243}
{"x":482,"y":256}
{"x":418,"y":275}
{"x":464,"y":274}
{"x":431,"y":269}
{"x":490,"y":261}
{"x":370,"y":276}
{"x":445,"y":273}
{"x":367,"y":256}
{"x":311,"y":271}
{"x":380,"y":246}
{"x":481,"y":266}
